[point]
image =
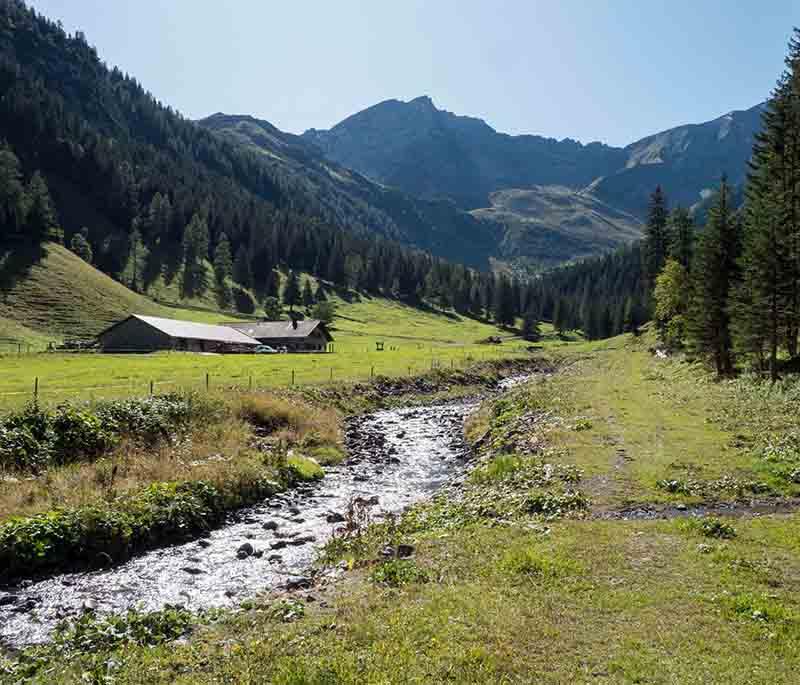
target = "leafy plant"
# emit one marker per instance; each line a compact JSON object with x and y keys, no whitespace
{"x":398,"y":572}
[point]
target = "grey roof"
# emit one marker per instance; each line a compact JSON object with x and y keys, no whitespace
{"x":278,"y":329}
{"x":197,"y":331}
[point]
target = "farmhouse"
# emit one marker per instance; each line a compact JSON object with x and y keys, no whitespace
{"x":308,"y":335}
{"x":149,"y":333}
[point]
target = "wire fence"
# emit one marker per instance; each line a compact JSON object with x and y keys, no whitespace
{"x":254,"y":378}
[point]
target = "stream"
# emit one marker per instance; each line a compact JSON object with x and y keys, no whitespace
{"x":397,"y":457}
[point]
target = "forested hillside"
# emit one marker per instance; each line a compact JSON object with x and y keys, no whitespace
{"x":91,"y":158}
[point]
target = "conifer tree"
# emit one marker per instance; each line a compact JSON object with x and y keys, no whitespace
{"x":657,"y":236}
{"x":79,"y":244}
{"x":319,"y":295}
{"x":195,"y":252}
{"x":308,"y":295}
{"x":714,"y":275}
{"x":272,"y":286}
{"x":291,"y":292}
{"x":242,"y":270}
{"x":12,"y":194}
{"x":223,"y":262}
{"x":682,"y":237}
{"x":42,"y":222}
{"x":530,"y":327}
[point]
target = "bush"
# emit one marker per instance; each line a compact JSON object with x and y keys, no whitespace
{"x":397,"y":572}
{"x":556,"y":504}
{"x":34,"y":439}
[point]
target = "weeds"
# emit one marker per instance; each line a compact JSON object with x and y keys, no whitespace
{"x":398,"y":572}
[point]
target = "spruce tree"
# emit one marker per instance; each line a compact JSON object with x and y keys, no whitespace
{"x":308,"y":295}
{"x":223,"y":262}
{"x":79,"y":244}
{"x":657,"y":236}
{"x":242,"y":270}
{"x":42,"y":222}
{"x":682,"y":236}
{"x":714,"y":275}
{"x":12,"y":195}
{"x":291,"y":292}
{"x":195,"y":252}
{"x":530,"y":327}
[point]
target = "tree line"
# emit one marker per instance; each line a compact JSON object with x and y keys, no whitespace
{"x":732,"y":296}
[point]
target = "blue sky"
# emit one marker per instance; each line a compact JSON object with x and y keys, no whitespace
{"x":604,"y":70}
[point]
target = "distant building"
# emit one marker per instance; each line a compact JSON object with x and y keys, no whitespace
{"x":308,"y":335}
{"x":150,"y":333}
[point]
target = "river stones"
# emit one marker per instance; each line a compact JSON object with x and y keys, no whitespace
{"x":203,"y":543}
{"x":274,"y":558}
{"x":301,"y":583}
{"x":405,"y":551}
{"x":7,"y":600}
{"x":245,"y":550}
{"x":270,"y":525}
{"x":335,"y":517}
{"x":279,"y":544}
{"x":192,"y":570}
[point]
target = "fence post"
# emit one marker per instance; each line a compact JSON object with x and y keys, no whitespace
{"x":207,"y":381}
{"x":292,"y":376}
{"x":36,"y":389}
{"x":151,"y":388}
{"x":19,"y":348}
{"x":331,"y":374}
{"x":372,"y":372}
{"x":250,"y":386}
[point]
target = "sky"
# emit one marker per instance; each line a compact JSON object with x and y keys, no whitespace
{"x":608,"y":70}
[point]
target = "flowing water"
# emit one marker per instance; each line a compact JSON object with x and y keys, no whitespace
{"x":398,"y":457}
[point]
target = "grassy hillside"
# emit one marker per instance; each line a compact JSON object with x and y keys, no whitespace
{"x":63,"y":297}
{"x":548,"y":225}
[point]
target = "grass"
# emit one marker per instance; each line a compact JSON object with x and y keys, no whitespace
{"x":422,"y":340}
{"x":512,"y":583}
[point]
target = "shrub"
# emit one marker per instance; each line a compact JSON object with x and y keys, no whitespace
{"x":555,"y":504}
{"x":304,"y":468}
{"x":711,"y":528}
{"x":532,"y":564}
{"x":397,"y":572}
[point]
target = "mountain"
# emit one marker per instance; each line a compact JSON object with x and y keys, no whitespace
{"x":437,"y":226}
{"x":89,"y":155}
{"x":433,"y":153}
{"x":687,"y":161}
{"x":545,"y":226}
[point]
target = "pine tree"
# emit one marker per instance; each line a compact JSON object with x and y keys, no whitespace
{"x":80,"y":245}
{"x":291,"y":292}
{"x":42,"y":222}
{"x":504,"y":309}
{"x":682,"y":237}
{"x":195,"y":252}
{"x":12,"y":195}
{"x":242,"y":271}
{"x":714,"y":275}
{"x":272,"y":308}
{"x":272,"y":286}
{"x":223,"y":262}
{"x":530,"y":327}
{"x":657,"y":236}
{"x":308,"y":295}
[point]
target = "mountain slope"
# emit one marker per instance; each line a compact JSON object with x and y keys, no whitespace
{"x":430,"y":152}
{"x":437,"y":226}
{"x":55,"y":294}
{"x":433,"y":153}
{"x":688,"y":161}
{"x":549,"y":225}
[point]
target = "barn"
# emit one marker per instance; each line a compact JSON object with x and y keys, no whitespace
{"x":308,"y":335}
{"x":140,"y":333}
